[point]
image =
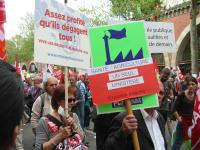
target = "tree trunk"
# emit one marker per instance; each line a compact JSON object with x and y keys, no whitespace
{"x":193,"y":37}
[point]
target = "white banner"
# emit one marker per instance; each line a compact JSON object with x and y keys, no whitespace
{"x":160,"y":37}
{"x":61,"y":35}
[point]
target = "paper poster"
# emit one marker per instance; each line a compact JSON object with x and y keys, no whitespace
{"x":160,"y":37}
{"x":61,"y":35}
{"x":121,"y":44}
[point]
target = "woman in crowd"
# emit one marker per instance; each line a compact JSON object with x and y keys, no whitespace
{"x":57,"y":132}
{"x":183,"y":111}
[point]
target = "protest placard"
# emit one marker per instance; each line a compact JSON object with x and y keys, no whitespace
{"x":136,"y":103}
{"x":119,"y":45}
{"x":61,"y":35}
{"x":122,"y":81}
{"x":160,"y":37}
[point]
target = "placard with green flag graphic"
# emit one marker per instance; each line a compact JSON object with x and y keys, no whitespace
{"x":117,"y":44}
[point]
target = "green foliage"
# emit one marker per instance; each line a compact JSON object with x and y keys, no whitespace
{"x":135,"y":9}
{"x":98,"y":15}
{"x":11,"y":50}
{"x":22,"y":45}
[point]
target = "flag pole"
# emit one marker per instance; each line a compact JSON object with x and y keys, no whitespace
{"x":134,"y":134}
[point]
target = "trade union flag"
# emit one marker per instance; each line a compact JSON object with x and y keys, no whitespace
{"x":3,"y":54}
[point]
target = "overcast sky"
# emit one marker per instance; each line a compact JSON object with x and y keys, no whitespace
{"x":16,"y":9}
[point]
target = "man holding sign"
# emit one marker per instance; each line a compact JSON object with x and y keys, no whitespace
{"x":126,"y":71}
{"x":150,"y":128}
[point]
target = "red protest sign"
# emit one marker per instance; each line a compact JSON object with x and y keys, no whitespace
{"x":123,"y":84}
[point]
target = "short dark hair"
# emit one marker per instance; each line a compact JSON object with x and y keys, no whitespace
{"x":71,"y":89}
{"x":166,"y":71}
{"x":192,"y":79}
{"x":12,"y":103}
{"x":58,"y":95}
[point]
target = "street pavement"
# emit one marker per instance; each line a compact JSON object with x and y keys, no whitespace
{"x":28,"y":138}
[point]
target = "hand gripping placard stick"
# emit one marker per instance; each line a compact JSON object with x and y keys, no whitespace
{"x":134,"y":134}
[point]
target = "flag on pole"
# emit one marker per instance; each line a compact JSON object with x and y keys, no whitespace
{"x":50,"y":67}
{"x":3,"y":54}
{"x":156,"y":65}
{"x":2,"y":12}
{"x":194,"y":130}
{"x":179,"y":73}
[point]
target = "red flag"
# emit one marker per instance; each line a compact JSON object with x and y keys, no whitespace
{"x":180,"y":75}
{"x":3,"y":54}
{"x":71,"y":73}
{"x":195,"y":128}
{"x":198,"y":80}
{"x":2,"y":12}
{"x":156,"y":66}
{"x":51,"y":68}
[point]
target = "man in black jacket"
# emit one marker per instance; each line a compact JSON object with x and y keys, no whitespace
{"x":150,"y":129}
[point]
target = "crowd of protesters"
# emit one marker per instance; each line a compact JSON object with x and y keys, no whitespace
{"x":40,"y":102}
{"x":53,"y":128}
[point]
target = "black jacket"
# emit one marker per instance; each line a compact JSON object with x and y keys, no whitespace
{"x":117,"y":140}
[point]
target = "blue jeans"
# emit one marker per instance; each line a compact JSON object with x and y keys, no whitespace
{"x":80,"y":111}
{"x":179,"y":137}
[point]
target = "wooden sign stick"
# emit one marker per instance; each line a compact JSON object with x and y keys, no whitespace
{"x":66,"y":92}
{"x":134,"y":134}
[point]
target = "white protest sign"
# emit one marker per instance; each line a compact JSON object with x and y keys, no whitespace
{"x":160,"y":37}
{"x":61,"y":35}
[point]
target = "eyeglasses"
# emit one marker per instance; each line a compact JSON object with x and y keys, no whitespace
{"x":71,"y":99}
{"x":51,"y":85}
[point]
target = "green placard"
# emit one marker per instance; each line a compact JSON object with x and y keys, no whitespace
{"x":135,"y":40}
{"x":119,"y":43}
{"x":144,"y":102}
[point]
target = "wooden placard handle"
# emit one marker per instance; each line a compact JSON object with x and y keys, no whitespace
{"x":134,"y":134}
{"x":66,"y":92}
